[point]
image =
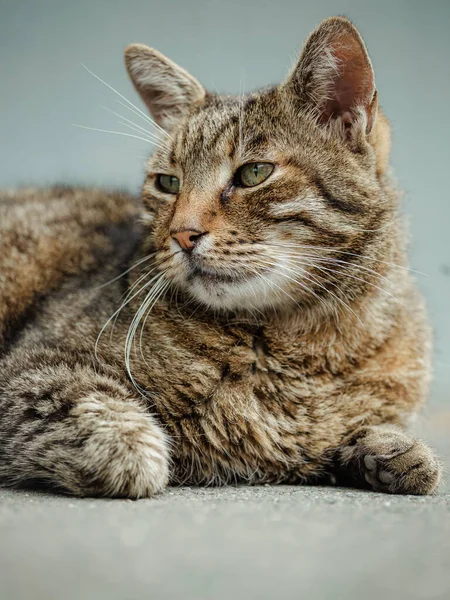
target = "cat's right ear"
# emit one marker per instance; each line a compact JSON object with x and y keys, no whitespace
{"x":334,"y":78}
{"x":168,"y":90}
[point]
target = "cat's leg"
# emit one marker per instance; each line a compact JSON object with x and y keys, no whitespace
{"x":79,"y":432}
{"x":390,"y":460}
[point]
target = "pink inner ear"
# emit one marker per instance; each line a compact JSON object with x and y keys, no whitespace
{"x":354,"y":84}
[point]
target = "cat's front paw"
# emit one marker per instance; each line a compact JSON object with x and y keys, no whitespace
{"x":394,"y":462}
{"x":124,"y":452}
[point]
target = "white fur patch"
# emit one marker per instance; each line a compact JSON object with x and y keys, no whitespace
{"x":224,"y":175}
{"x":308,"y":201}
{"x":256,"y":293}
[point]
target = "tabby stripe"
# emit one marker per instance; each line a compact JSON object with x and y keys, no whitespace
{"x":309,"y":222}
{"x":338,"y":203}
{"x":212,"y":143}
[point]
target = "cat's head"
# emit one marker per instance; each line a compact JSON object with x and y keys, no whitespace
{"x":273,"y":197}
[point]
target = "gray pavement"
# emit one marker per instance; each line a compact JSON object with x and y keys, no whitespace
{"x":237,"y":542}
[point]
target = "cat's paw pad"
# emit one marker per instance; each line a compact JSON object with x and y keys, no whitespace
{"x":394,"y":462}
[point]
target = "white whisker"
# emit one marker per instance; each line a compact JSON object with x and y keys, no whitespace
{"x":136,"y":264}
{"x":146,"y":118}
{"x":138,"y":137}
{"x":142,"y":113}
{"x":121,"y":307}
{"x":135,"y":126}
{"x":355,"y":277}
{"x":152,"y":140}
{"x":310,"y":275}
{"x":156,"y":294}
{"x":147,"y":304}
{"x":279,"y":288}
{"x":241,"y":110}
{"x":296,"y":246}
{"x":272,"y":263}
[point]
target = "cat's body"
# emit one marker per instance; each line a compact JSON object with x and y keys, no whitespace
{"x":233,"y":382}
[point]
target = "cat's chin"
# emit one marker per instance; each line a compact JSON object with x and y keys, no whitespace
{"x":233,"y":293}
{"x":212,"y":278}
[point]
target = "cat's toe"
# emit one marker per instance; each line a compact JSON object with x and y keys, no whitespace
{"x":392,"y":461}
{"x":415,"y":471}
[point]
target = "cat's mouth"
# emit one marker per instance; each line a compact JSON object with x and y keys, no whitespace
{"x":213,"y":276}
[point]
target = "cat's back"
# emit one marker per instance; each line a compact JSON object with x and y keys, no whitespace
{"x":47,"y":235}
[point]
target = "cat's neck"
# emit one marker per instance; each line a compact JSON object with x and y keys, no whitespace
{"x":365,"y":321}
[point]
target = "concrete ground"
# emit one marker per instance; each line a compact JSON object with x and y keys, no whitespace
{"x":231,"y":543}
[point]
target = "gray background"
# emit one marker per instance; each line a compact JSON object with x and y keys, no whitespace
{"x":241,"y":543}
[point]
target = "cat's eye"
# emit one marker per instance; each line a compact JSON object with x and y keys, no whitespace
{"x":253,"y":174}
{"x":168,"y":183}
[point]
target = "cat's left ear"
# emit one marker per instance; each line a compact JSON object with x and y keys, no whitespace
{"x":168,"y":90}
{"x":334,"y":78}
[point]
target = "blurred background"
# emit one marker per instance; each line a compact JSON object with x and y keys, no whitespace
{"x":229,"y":45}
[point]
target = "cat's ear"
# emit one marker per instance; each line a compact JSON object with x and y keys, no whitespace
{"x":168,"y":90}
{"x":334,"y":77}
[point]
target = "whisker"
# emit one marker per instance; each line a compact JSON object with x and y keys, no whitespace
{"x":157,"y":264}
{"x":109,"y":131}
{"x":241,"y":108}
{"x":342,"y":263}
{"x":280,"y":272}
{"x":323,"y":269}
{"x":142,"y":113}
{"x":136,"y":264}
{"x":278,"y":287}
{"x":218,"y":94}
{"x":346,"y":265}
{"x":256,"y":296}
{"x":128,"y":293}
{"x":147,"y":304}
{"x":358,"y":279}
{"x":121,"y":307}
{"x":155,"y":141}
{"x":135,"y":324}
{"x":327,"y":290}
{"x":146,"y":118}
{"x":158,"y":294}
{"x":135,"y":126}
{"x":328,"y":249}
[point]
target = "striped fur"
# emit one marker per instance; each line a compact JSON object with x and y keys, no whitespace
{"x":290,"y":345}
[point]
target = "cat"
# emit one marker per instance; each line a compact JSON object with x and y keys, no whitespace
{"x":250,"y":319}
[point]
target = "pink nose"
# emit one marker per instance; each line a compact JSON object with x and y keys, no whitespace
{"x":187,"y":238}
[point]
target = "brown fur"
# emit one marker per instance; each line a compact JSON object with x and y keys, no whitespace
{"x":290,"y":345}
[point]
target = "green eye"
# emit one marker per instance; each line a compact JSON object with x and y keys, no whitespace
{"x":168,"y":183}
{"x":253,"y":173}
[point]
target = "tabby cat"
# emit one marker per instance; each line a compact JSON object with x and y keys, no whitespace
{"x":251,"y":319}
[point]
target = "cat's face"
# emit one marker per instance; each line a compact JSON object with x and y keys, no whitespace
{"x":266,"y":199}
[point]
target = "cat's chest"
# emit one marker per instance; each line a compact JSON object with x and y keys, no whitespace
{"x":208,"y":365}
{"x":243,"y":401}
